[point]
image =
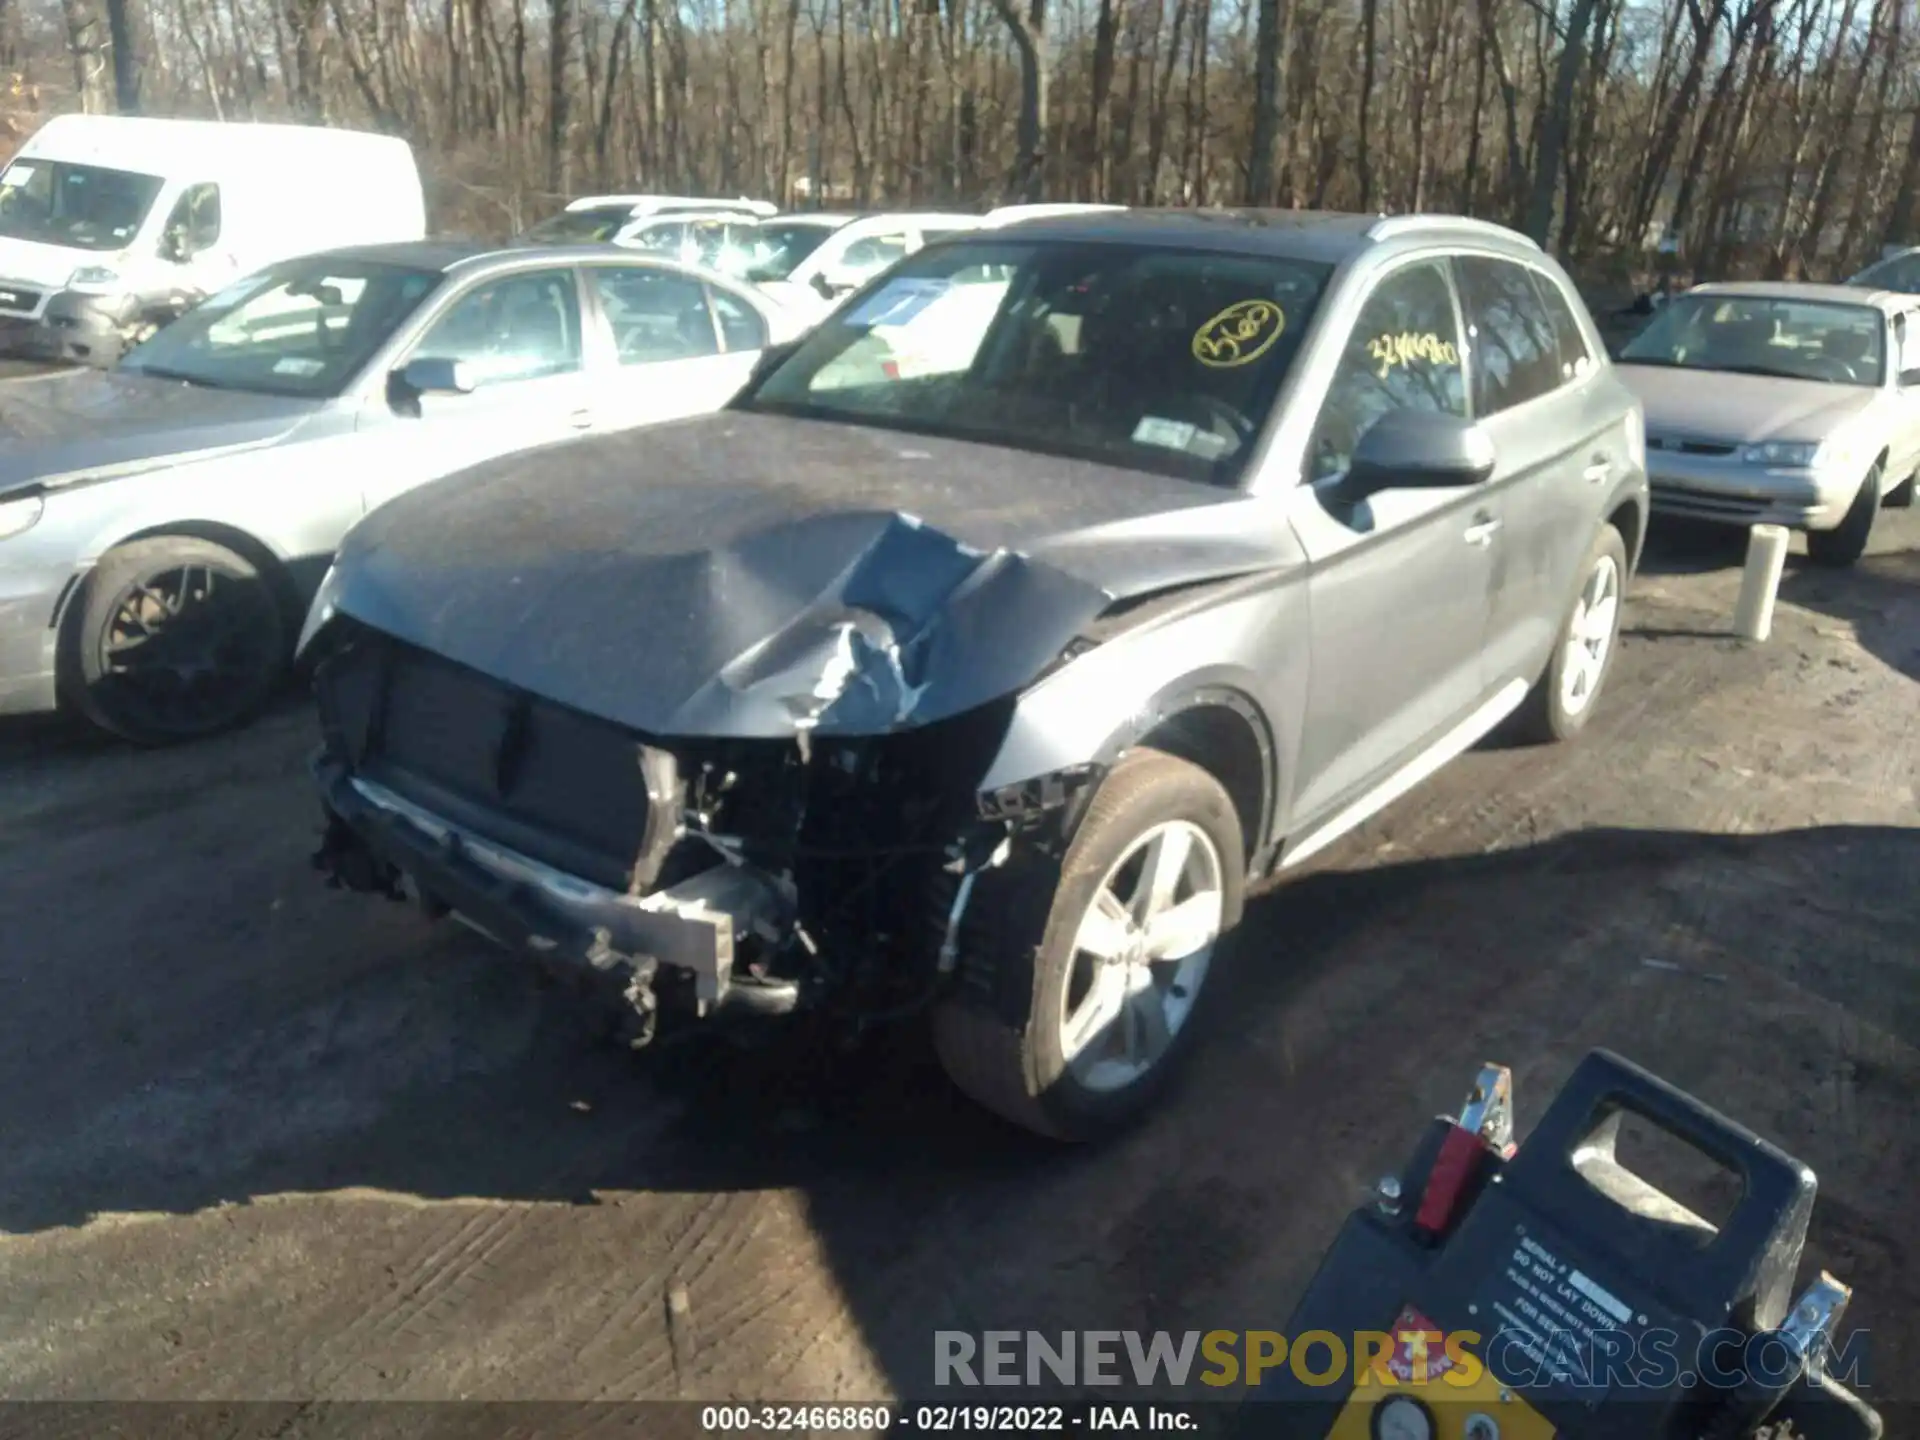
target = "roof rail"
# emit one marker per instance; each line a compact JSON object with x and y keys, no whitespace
{"x":1387,"y":227}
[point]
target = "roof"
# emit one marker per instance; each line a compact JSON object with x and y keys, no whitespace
{"x":150,"y":143}
{"x":1324,"y":235}
{"x":1889,"y":300}
{"x":421,"y":254}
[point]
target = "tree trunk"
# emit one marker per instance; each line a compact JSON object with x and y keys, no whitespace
{"x":1369,"y":43}
{"x":1553,"y":127}
{"x":126,"y":67}
{"x":1028,"y":28}
{"x":1269,"y":25}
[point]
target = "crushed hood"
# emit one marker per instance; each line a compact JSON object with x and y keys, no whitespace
{"x":80,"y":425}
{"x":1740,"y":409}
{"x":751,"y":575}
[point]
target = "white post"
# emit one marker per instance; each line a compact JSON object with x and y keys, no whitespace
{"x":1760,"y":584}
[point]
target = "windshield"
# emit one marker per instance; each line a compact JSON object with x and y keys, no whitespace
{"x":582,"y":227}
{"x":1758,"y":335}
{"x":779,"y":248}
{"x":80,"y":206}
{"x":1155,"y":359}
{"x":300,"y":328}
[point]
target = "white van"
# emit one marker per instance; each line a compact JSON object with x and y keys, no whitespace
{"x":111,"y":225}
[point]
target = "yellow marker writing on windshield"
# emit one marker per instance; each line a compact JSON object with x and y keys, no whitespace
{"x":1239,"y":334}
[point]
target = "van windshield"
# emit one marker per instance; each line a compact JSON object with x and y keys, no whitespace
{"x":83,"y":207}
{"x":304,"y":327}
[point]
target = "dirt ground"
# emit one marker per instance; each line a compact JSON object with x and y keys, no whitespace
{"x":263,"y":1140}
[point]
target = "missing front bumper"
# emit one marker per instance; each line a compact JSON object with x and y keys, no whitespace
{"x":375,"y":838}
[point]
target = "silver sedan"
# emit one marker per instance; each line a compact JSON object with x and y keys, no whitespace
{"x":163,"y":524}
{"x":1789,"y":404}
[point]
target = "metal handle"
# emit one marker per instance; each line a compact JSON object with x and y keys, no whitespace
{"x":1481,"y":532}
{"x":581,"y":419}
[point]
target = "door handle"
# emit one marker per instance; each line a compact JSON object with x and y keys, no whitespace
{"x":1598,"y":471}
{"x":581,"y":419}
{"x":1481,"y":531}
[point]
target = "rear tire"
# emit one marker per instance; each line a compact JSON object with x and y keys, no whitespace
{"x":1101,"y":1037}
{"x":1847,"y":541}
{"x":1567,"y":693}
{"x":173,"y":638}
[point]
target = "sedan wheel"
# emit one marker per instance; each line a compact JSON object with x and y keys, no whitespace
{"x":174,"y":638}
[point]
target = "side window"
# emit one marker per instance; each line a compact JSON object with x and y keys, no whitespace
{"x":663,"y":239}
{"x":1570,"y":339}
{"x":520,"y":327}
{"x":194,"y":224}
{"x":872,"y":255}
{"x":1516,"y":356}
{"x":1403,"y":354}
{"x":741,"y":327}
{"x":656,"y":314}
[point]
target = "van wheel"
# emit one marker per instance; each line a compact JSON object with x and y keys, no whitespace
{"x":173,"y":638}
{"x":1847,"y":541}
{"x":1563,"y":699}
{"x":1152,"y":881}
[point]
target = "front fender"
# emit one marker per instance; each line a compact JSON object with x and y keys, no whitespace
{"x":1089,"y":711}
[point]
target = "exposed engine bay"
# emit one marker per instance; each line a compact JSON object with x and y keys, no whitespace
{"x":702,"y":876}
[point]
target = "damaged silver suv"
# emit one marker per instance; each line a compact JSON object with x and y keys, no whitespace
{"x":1070,"y":577}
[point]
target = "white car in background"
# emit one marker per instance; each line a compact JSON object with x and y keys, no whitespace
{"x":612,"y":219}
{"x":809,"y":263}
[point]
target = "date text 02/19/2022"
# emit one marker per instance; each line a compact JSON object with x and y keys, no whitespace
{"x":938,"y":1419}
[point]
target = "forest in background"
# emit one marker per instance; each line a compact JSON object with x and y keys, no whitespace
{"x":1770,"y":137}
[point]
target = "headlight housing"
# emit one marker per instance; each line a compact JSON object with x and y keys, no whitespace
{"x":1794,"y":454}
{"x":94,"y":279}
{"x":19,"y":516}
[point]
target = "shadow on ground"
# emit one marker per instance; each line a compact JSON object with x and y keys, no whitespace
{"x":1879,"y":598}
{"x":1358,"y":999}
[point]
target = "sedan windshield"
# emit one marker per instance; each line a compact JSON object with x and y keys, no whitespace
{"x":81,"y":206}
{"x":1156,"y":359}
{"x":778,"y":249}
{"x":300,"y":328}
{"x":582,"y":227}
{"x":1759,"y":335}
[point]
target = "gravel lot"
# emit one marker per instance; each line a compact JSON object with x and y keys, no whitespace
{"x":264,"y":1140}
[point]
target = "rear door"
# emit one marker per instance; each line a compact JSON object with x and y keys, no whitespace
{"x":681,"y":346}
{"x":1400,"y":582}
{"x":522,"y":339}
{"x":1558,"y":454}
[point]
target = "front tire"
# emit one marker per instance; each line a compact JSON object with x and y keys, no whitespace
{"x":1847,"y":541}
{"x":1564,"y":698}
{"x":1152,"y":881}
{"x":173,"y":638}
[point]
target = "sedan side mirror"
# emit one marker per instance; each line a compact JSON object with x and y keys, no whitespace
{"x":1417,"y":450}
{"x":435,"y":375}
{"x":826,"y":289}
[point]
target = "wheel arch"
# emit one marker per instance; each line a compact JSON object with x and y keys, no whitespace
{"x":255,"y":551}
{"x":1222,"y":731}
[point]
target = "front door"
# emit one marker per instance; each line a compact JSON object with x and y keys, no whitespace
{"x":519,"y":337}
{"x":1399,"y":585}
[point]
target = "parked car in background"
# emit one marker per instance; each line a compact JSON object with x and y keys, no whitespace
{"x":1782,"y":404}
{"x":609,"y":219}
{"x":1899,"y":271}
{"x":988,"y":689}
{"x":111,"y":225}
{"x":1013,"y":214}
{"x":162,"y":524}
{"x":716,"y":239}
{"x":812,"y":262}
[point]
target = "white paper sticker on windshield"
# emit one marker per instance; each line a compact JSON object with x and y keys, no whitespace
{"x":1168,"y":434}
{"x":17,"y":175}
{"x":895,"y":303}
{"x":300,"y":365}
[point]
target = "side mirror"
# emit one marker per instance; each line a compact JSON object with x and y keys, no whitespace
{"x":1417,"y":450}
{"x":826,"y":289}
{"x":434,"y":375}
{"x":175,"y":246}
